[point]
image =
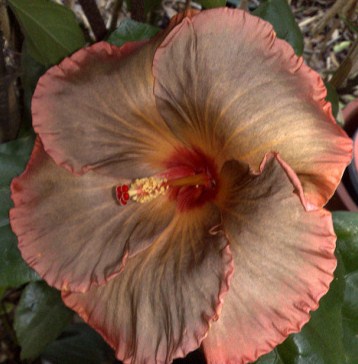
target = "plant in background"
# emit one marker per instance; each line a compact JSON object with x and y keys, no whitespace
{"x":204,"y":178}
{"x":175,"y":192}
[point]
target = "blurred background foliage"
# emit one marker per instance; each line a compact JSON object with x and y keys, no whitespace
{"x":35,"y":326}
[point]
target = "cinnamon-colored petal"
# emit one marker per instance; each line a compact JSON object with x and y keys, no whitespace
{"x":224,"y":81}
{"x":283,"y":257}
{"x":97,"y":109}
{"x":161,"y":305}
{"x":71,"y":229}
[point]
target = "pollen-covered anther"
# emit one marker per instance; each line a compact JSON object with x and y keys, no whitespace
{"x":142,"y":190}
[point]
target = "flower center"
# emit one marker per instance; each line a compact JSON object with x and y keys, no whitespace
{"x":190,"y":178}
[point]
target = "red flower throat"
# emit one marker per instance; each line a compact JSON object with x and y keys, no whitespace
{"x":190,"y":178}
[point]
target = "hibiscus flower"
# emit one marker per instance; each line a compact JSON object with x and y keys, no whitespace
{"x":175,"y":192}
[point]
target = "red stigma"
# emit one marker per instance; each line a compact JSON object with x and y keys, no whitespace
{"x":122,"y":194}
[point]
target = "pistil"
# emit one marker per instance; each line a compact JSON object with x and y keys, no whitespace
{"x":141,"y":190}
{"x":147,"y":189}
{"x":190,"y":179}
{"x":196,"y":180}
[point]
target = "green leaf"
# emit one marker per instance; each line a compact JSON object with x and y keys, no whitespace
{"x":13,"y":270}
{"x":333,"y":98}
{"x":351,"y":345}
{"x":51,"y":30}
{"x":279,"y":14}
{"x":13,"y":158}
{"x":207,"y":4}
{"x":5,"y":203}
{"x":78,"y":344}
{"x":320,"y":340}
{"x":331,"y":336}
{"x":346,"y":228}
{"x":31,"y":70}
{"x":40,"y":317}
{"x":130,"y":30}
{"x":270,"y":358}
{"x":6,"y":308}
{"x":350,"y":318}
{"x":350,"y":307}
{"x":341,"y":46}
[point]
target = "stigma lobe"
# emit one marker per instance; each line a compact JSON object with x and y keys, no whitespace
{"x":122,"y":194}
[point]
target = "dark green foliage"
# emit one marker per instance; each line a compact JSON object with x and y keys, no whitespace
{"x":279,"y":14}
{"x":51,"y":33}
{"x":39,"y":318}
{"x":331,"y":336}
{"x":78,"y":344}
{"x":51,"y":30}
{"x":333,"y":98}
{"x":13,"y":158}
{"x":130,"y":31}
{"x":207,"y":4}
{"x":31,"y":70}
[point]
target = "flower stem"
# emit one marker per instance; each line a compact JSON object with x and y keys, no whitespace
{"x":137,"y":10}
{"x":187,"y":4}
{"x":194,"y":180}
{"x":94,"y":18}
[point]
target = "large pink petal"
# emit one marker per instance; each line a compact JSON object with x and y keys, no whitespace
{"x":161,"y":305}
{"x":97,"y":108}
{"x":224,"y":81}
{"x":72,"y":231}
{"x":283,"y":257}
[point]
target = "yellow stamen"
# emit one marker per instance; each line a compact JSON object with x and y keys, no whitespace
{"x":147,"y":189}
